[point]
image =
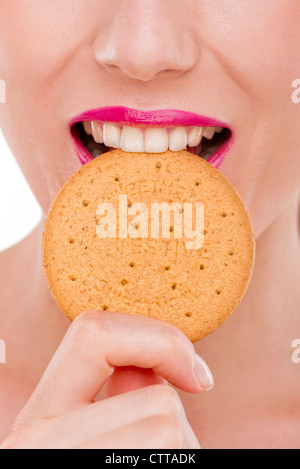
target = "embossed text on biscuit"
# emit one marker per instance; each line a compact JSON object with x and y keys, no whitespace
{"x":166,"y":220}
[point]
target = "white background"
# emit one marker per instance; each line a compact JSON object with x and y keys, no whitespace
{"x":19,"y":210}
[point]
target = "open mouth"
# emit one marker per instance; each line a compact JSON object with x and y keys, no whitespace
{"x":99,"y":137}
{"x":99,"y":131}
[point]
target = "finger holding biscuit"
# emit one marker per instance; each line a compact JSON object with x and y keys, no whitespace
{"x":63,"y":405}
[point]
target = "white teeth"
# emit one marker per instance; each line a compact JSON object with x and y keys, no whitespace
{"x":208,"y":132}
{"x":97,"y":131}
{"x":112,"y":135}
{"x":151,"y":140}
{"x":178,"y":139}
{"x":132,"y":139}
{"x":156,"y":140}
{"x":88,"y":127}
{"x":195,"y":136}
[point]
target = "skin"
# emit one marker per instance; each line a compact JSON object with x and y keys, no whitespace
{"x":236,"y":63}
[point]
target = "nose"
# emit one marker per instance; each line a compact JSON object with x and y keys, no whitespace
{"x":144,"y":39}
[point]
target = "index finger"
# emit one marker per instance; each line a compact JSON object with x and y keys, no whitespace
{"x":99,"y":341}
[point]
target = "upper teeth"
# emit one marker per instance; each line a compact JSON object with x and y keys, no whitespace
{"x":151,"y":140}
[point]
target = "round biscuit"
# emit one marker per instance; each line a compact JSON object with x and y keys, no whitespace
{"x":196,"y":288}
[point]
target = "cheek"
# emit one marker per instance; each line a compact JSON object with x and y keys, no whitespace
{"x":258,"y":44}
{"x":265,"y":169}
{"x":276,"y":174}
{"x":34,"y":56}
{"x":43,"y":40}
{"x":264,"y":61}
{"x":265,"y":164}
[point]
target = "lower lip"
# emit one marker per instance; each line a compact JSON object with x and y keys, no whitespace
{"x":162,"y":118}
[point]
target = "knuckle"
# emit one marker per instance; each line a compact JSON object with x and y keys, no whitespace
{"x":90,"y":324}
{"x":176,"y":340}
{"x":82,"y":323}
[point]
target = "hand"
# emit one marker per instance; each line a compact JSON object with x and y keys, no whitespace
{"x":62,"y":412}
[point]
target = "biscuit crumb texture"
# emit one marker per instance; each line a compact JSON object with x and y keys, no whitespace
{"x":194,"y":289}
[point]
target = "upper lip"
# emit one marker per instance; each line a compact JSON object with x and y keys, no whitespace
{"x":126,"y":116}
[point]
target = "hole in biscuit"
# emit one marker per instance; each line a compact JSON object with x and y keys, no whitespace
{"x":132,"y":264}
{"x":218,"y":292}
{"x":85,"y":203}
{"x":124,"y":281}
{"x":197,"y":183}
{"x":174,"y":286}
{"x":231,"y":253}
{"x":71,"y":240}
{"x":202,"y":266}
{"x":158,"y":165}
{"x":171,"y":229}
{"x":167,"y":267}
{"x":117,"y":179}
{"x":104,"y":308}
{"x":205,"y":232}
{"x":188,"y":315}
{"x":224,"y":214}
{"x":73,"y":278}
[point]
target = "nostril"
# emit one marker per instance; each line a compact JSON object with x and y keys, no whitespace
{"x":110,"y":67}
{"x":138,"y":70}
{"x":143,"y":72}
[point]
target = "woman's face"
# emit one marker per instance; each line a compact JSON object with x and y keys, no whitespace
{"x":228,"y":60}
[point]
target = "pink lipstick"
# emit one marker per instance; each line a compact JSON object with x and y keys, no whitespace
{"x":219,"y":144}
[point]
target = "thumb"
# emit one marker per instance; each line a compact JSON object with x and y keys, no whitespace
{"x":129,"y":378}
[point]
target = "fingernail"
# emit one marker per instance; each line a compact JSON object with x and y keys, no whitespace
{"x":203,"y":374}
